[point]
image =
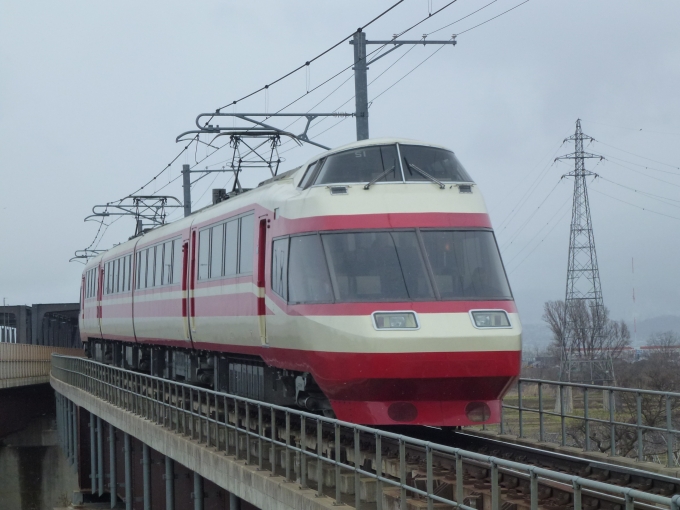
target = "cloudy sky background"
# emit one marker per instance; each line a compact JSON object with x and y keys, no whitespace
{"x":93,"y":94}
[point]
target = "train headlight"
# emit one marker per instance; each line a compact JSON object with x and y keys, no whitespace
{"x":490,"y":319}
{"x":395,"y":320}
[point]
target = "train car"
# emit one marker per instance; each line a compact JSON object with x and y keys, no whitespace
{"x":365,"y":284}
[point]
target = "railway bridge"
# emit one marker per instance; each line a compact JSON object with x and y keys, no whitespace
{"x":140,"y":442}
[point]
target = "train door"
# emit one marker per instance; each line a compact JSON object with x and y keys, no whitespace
{"x":261,"y":286}
{"x":100,"y":295}
{"x":188,"y":283}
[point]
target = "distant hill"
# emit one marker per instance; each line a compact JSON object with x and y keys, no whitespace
{"x":538,"y":335}
{"x":655,"y":325}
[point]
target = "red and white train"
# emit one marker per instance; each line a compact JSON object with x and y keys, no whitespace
{"x":366,"y":283}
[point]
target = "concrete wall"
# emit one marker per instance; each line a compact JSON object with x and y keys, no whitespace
{"x":24,"y":365}
{"x":34,"y":473}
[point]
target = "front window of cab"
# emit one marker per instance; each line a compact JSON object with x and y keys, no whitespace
{"x":389,"y":265}
{"x":386,"y":163}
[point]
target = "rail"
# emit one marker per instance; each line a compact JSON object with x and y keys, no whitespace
{"x":214,"y":419}
{"x":589,"y":416}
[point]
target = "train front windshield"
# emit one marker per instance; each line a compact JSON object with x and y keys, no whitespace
{"x":398,"y":265}
{"x":382,"y":163}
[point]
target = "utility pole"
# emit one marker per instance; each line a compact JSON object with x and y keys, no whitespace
{"x":361,"y":76}
{"x":583,"y":274}
{"x":186,"y":184}
{"x":361,"y":84}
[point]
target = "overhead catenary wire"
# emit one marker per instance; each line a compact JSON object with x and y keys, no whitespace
{"x":313,"y":59}
{"x":461,"y":19}
{"x":307,"y":63}
{"x":340,"y":72}
{"x":377,"y":50}
{"x":427,"y":58}
{"x":491,"y":19}
{"x":524,"y":198}
{"x":539,"y":243}
{"x":513,"y":237}
{"x":538,"y":232}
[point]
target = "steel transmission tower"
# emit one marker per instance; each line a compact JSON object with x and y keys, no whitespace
{"x":583,"y":281}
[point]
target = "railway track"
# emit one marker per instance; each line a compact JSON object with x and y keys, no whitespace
{"x":478,"y":477}
{"x":552,"y":494}
{"x":391,"y":468}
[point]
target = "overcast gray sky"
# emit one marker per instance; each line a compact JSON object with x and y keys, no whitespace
{"x":93,"y":94}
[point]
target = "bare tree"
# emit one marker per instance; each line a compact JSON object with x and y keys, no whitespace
{"x":589,"y":335}
{"x":666,"y":343}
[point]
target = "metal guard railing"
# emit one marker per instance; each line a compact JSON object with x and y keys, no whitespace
{"x":659,"y":404}
{"x":152,"y":398}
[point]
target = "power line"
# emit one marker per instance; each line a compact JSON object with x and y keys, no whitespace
{"x":639,"y":156}
{"x":646,"y":175}
{"x":539,"y":244}
{"x":461,"y":19}
{"x":639,"y":130}
{"x":313,"y":59}
{"x":538,"y":232}
{"x":659,"y":198}
{"x":523,"y":199}
{"x":491,"y":19}
{"x":636,"y":206}
{"x":523,"y":226}
{"x":646,"y":167}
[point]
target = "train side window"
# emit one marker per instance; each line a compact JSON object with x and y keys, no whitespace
{"x":217,"y":251}
{"x":149,"y":268}
{"x":158,"y":266}
{"x":176,"y":261}
{"x":116,"y":276}
{"x":279,"y":280}
{"x":107,"y":277}
{"x":129,"y":273}
{"x":231,"y":248}
{"x":308,"y":279}
{"x":307,"y":179}
{"x":246,"y":240}
{"x":142,"y":269}
{"x":203,"y":253}
{"x":137,"y":268}
{"x":167,"y":262}
{"x":122,"y":274}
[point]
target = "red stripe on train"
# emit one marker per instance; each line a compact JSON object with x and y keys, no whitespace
{"x":248,"y":305}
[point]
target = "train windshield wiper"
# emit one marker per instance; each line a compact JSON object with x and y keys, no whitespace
{"x":424,"y":174}
{"x":371,"y":183}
